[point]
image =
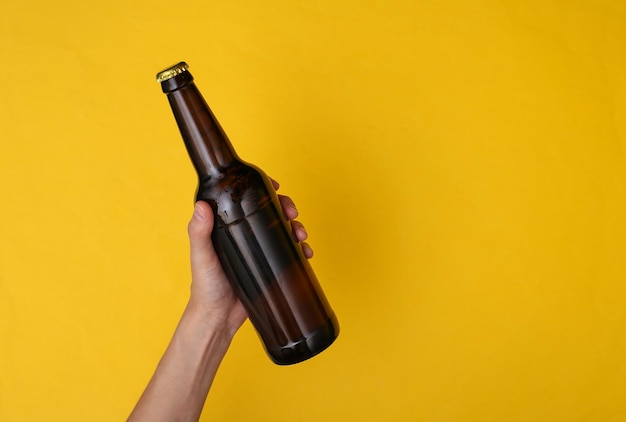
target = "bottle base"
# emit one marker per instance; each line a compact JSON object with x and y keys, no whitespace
{"x":306,"y":348}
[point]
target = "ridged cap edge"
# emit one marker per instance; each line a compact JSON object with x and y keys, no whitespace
{"x":172,"y":71}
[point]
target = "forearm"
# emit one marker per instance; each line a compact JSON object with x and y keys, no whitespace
{"x":180,"y":384}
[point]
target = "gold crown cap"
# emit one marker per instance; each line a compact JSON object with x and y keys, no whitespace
{"x":172,"y":71}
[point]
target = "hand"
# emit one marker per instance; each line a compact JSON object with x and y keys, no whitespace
{"x":211,"y":293}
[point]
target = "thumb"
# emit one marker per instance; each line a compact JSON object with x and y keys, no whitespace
{"x":204,"y":261}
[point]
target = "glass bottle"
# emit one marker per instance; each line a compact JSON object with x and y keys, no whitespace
{"x":253,"y":240}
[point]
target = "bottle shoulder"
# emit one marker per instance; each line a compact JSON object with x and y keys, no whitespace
{"x":236,"y":176}
{"x":236,"y":191}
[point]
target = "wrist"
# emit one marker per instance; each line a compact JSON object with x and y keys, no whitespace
{"x":209,"y":323}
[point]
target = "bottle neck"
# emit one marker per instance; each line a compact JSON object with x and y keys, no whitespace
{"x":206,"y":142}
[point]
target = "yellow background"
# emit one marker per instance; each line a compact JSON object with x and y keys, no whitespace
{"x":459,"y":166}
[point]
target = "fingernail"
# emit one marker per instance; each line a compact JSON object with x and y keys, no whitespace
{"x":302,"y":234}
{"x":308,"y":252}
{"x":294,"y":209}
{"x":199,"y":213}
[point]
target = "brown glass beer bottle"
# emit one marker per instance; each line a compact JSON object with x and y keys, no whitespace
{"x":254,"y":242}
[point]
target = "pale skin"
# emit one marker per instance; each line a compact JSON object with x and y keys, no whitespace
{"x":181,"y":382}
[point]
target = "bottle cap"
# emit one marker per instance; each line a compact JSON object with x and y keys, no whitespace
{"x":172,"y":71}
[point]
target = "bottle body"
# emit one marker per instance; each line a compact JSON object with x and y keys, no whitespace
{"x":253,"y":240}
{"x":266,"y":267}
